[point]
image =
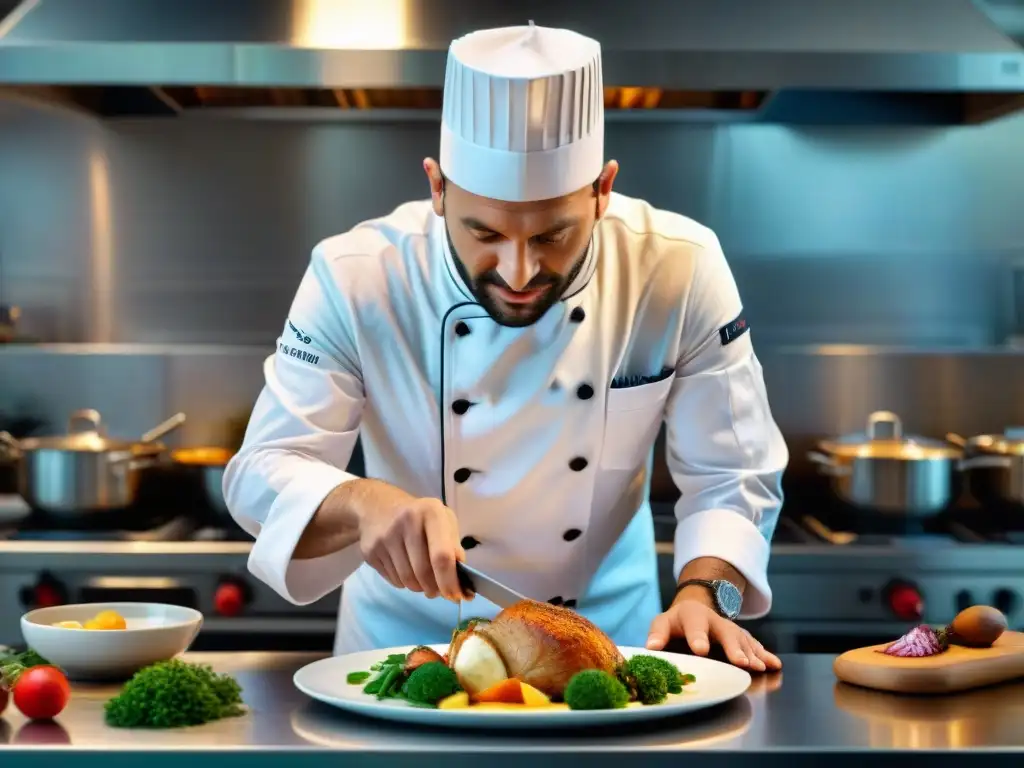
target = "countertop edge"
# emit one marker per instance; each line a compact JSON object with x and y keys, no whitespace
{"x":503,"y":758}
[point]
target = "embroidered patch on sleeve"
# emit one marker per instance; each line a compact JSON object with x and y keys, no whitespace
{"x":299,"y":335}
{"x":733,"y":330}
{"x":299,"y":354}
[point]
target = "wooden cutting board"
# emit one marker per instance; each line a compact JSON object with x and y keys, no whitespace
{"x":956,"y":669}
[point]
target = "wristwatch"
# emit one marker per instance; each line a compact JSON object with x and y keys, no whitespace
{"x":727,"y":597}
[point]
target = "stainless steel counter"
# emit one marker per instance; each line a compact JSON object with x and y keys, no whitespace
{"x":799,"y":714}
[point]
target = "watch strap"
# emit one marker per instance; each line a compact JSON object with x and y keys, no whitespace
{"x":698,"y":582}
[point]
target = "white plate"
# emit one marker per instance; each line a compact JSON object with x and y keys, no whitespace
{"x":325,"y":681}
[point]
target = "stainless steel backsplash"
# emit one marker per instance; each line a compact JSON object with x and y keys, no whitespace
{"x":188,"y":238}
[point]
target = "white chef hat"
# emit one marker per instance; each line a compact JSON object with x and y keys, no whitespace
{"x":523,"y":115}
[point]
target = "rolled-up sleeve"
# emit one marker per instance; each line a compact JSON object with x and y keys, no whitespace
{"x":725,"y":452}
{"x":300,"y":437}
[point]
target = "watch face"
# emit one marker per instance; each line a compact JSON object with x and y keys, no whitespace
{"x":729,"y":599}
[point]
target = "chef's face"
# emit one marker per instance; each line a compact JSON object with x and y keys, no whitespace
{"x":518,"y":258}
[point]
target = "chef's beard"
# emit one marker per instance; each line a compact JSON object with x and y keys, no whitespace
{"x":521,"y":315}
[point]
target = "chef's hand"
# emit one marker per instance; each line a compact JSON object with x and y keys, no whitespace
{"x":411,"y":542}
{"x":693,"y":619}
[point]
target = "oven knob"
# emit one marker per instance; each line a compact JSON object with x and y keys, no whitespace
{"x":46,"y":593}
{"x":906,"y":602}
{"x":1005,"y":601}
{"x":230,"y":598}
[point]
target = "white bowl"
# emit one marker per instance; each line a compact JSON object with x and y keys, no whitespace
{"x":155,"y":632}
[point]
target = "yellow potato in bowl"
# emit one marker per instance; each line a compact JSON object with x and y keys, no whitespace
{"x":103,"y":620}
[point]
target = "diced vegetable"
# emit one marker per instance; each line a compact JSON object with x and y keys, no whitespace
{"x":458,"y":700}
{"x":532,"y":697}
{"x":506,"y":692}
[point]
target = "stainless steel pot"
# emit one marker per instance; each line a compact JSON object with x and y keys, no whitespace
{"x":885,"y":472}
{"x":994,"y":466}
{"x":205,"y":467}
{"x":84,"y":471}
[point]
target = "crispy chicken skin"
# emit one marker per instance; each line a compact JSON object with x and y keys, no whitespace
{"x":545,"y":645}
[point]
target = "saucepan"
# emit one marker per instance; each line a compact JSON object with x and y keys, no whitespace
{"x":884,"y":471}
{"x":205,"y":467}
{"x":994,"y":466}
{"x":84,"y":471}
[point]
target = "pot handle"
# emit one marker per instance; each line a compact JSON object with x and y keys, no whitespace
{"x":9,"y":445}
{"x":88,"y":416}
{"x":955,"y":439}
{"x":985,"y":462}
{"x":827,"y":464}
{"x":163,"y":428}
{"x":884,"y":417}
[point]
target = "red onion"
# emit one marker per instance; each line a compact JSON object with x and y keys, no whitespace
{"x":920,"y":641}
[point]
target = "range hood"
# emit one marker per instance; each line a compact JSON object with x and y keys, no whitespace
{"x":792,"y":61}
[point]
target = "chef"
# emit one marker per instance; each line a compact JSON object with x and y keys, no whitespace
{"x":508,"y":351}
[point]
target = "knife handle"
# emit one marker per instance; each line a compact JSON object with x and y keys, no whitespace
{"x":465,"y":580}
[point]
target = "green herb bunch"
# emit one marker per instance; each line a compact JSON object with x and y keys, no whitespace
{"x":174,"y":694}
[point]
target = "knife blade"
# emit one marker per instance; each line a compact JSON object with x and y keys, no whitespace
{"x":483,"y":585}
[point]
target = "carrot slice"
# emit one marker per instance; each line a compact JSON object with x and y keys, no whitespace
{"x":506,"y":692}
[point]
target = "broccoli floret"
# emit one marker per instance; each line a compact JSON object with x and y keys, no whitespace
{"x":651,"y":685}
{"x":595,"y":689}
{"x":666,"y":669}
{"x":430,"y":683}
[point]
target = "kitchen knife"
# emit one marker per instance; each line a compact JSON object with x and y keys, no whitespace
{"x":485,"y":586}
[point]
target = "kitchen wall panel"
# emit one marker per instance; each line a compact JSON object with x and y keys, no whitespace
{"x":196,"y":232}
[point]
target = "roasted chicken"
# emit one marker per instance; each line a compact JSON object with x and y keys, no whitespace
{"x":538,"y":643}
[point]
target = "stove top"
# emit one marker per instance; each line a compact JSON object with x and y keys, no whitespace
{"x":177,"y":529}
{"x":810,"y":529}
{"x":837,"y":525}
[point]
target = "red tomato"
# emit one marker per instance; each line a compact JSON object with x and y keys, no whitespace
{"x":41,"y":693}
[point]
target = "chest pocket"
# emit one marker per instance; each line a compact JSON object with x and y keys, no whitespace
{"x":632,"y":418}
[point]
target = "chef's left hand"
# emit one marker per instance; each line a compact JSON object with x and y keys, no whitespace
{"x":695,"y":620}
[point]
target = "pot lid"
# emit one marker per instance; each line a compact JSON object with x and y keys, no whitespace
{"x":884,"y":439}
{"x":1010,"y":443}
{"x":86,"y":434}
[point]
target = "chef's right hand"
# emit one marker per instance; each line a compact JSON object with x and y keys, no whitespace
{"x":412,"y":542}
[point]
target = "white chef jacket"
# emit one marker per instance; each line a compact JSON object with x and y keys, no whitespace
{"x":539,"y":438}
